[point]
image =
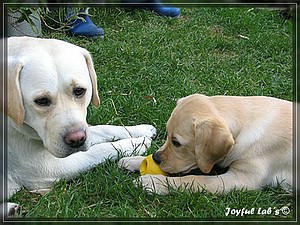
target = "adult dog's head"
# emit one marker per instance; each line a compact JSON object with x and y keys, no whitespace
{"x":50,"y":85}
{"x":197,"y":137}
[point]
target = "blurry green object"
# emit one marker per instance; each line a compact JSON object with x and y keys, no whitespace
{"x":24,"y":22}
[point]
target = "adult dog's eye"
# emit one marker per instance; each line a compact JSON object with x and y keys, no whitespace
{"x":176,"y":143}
{"x":79,"y":92}
{"x":42,"y":101}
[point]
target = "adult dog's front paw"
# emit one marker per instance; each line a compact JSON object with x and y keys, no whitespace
{"x":149,"y":131}
{"x":154,"y":183}
{"x":143,"y":130}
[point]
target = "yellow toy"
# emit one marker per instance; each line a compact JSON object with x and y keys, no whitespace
{"x":148,"y":166}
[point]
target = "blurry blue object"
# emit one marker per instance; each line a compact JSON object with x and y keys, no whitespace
{"x":154,"y":5}
{"x":84,"y":26}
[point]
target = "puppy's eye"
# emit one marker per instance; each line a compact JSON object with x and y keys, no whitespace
{"x":42,"y":101}
{"x":176,"y":143}
{"x":79,"y":92}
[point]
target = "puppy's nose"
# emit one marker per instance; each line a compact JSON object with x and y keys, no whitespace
{"x":75,"y":139}
{"x":156,"y":158}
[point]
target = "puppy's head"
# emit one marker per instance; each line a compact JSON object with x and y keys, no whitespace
{"x":197,"y":137}
{"x":50,"y":85}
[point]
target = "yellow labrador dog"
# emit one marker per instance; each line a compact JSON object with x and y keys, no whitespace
{"x":251,"y":136}
{"x":50,"y":85}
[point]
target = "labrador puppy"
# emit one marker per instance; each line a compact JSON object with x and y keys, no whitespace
{"x":250,"y":136}
{"x":50,"y":85}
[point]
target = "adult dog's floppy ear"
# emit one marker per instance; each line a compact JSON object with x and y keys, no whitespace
{"x":16,"y":109}
{"x":93,"y":76}
{"x":213,"y":140}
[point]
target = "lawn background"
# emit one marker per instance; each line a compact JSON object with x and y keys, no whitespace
{"x":144,"y":64}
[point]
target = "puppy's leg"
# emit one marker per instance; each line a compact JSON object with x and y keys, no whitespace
{"x":109,"y":133}
{"x":131,"y":163}
{"x":216,"y":184}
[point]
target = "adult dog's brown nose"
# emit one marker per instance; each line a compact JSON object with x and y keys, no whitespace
{"x":75,"y":139}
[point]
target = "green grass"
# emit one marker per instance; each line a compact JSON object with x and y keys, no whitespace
{"x":144,"y":64}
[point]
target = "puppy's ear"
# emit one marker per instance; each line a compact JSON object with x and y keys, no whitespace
{"x":93,"y":76}
{"x":213,"y":140}
{"x":16,"y":109}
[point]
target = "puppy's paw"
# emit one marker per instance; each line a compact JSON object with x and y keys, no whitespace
{"x":131,"y":163}
{"x":154,"y":183}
